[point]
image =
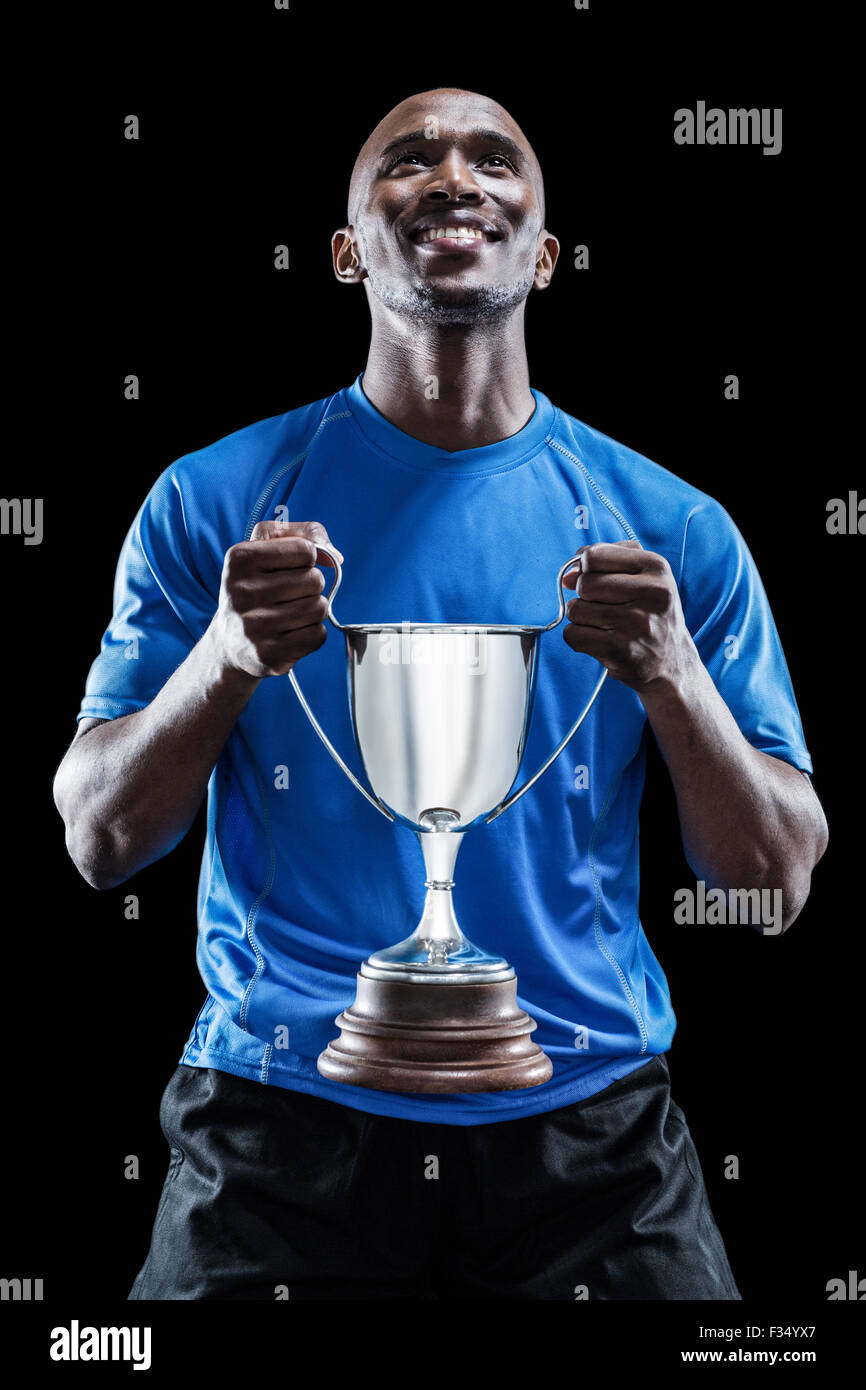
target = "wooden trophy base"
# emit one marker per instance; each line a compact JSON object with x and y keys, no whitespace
{"x":427,"y":1038}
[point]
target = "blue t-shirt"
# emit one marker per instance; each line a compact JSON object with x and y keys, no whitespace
{"x":301,"y":882}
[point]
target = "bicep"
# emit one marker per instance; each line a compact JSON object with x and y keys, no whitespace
{"x":85,"y":725}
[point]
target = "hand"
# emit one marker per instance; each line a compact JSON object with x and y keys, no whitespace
{"x":271,"y":607}
{"x":628,"y":615}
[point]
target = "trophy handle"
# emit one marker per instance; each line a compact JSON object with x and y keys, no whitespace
{"x":372,"y":798}
{"x":339,"y":579}
{"x":510,"y":800}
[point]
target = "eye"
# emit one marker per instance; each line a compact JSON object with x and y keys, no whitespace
{"x":404,"y":158}
{"x":412,"y":155}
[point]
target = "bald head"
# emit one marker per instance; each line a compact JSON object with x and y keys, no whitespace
{"x":436,"y":119}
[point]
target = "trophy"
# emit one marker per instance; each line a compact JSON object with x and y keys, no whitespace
{"x":440,"y":715}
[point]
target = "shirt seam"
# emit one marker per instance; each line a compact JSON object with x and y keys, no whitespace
{"x":602,"y":497}
{"x":608,"y":955}
{"x":683,"y":550}
{"x":109,"y":700}
{"x":256,"y":513}
{"x":254,"y":910}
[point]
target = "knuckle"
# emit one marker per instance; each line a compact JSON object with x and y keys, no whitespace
{"x":243,"y":597}
{"x":253,"y":625}
{"x":232,"y":561}
{"x":269,"y":657}
{"x":315,"y":637}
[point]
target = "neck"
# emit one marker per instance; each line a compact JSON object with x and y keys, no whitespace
{"x":479,"y":393}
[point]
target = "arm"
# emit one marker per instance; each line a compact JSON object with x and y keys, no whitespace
{"x":748,"y":820}
{"x":128,"y":789}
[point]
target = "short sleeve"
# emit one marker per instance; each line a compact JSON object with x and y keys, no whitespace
{"x":728,"y":615}
{"x":161,"y":609}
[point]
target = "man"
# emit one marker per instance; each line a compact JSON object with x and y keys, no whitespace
{"x":455,"y":491}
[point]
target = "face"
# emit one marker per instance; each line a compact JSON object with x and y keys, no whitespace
{"x":447,"y":206}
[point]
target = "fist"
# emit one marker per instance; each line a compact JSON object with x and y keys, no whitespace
{"x":272,"y":609}
{"x":627,"y":614}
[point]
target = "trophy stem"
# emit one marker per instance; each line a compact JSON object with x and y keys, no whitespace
{"x":437,"y":951}
{"x":438,"y":928}
{"x":439,"y":848}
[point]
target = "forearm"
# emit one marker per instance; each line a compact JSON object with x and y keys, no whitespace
{"x":129,"y":790}
{"x":748,"y":820}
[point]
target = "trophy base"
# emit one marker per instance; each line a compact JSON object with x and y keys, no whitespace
{"x":432,"y":1038}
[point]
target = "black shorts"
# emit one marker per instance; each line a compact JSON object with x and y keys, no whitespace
{"x":273,"y":1193}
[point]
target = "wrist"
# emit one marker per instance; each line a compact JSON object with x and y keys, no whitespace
{"x":221,"y":676}
{"x":679,"y":685}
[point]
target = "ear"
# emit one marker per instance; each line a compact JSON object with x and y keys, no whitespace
{"x":547,"y":254}
{"x":346,"y":258}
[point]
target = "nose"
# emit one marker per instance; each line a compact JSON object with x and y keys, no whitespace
{"x":453,"y":182}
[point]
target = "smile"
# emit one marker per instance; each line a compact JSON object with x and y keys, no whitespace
{"x":454,"y":233}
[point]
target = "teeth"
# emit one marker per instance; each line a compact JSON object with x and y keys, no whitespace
{"x":464,"y":233}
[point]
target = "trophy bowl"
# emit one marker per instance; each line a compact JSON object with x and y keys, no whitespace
{"x":440,"y":715}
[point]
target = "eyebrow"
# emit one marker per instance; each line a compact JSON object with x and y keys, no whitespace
{"x":494,"y":136}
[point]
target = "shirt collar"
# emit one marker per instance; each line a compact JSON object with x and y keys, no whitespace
{"x":488,"y":458}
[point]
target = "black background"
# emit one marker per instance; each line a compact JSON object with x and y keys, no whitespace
{"x":155,"y":257}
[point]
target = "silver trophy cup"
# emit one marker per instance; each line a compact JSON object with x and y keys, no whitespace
{"x":441,"y":715}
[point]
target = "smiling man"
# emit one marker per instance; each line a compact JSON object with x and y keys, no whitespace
{"x":453,"y":489}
